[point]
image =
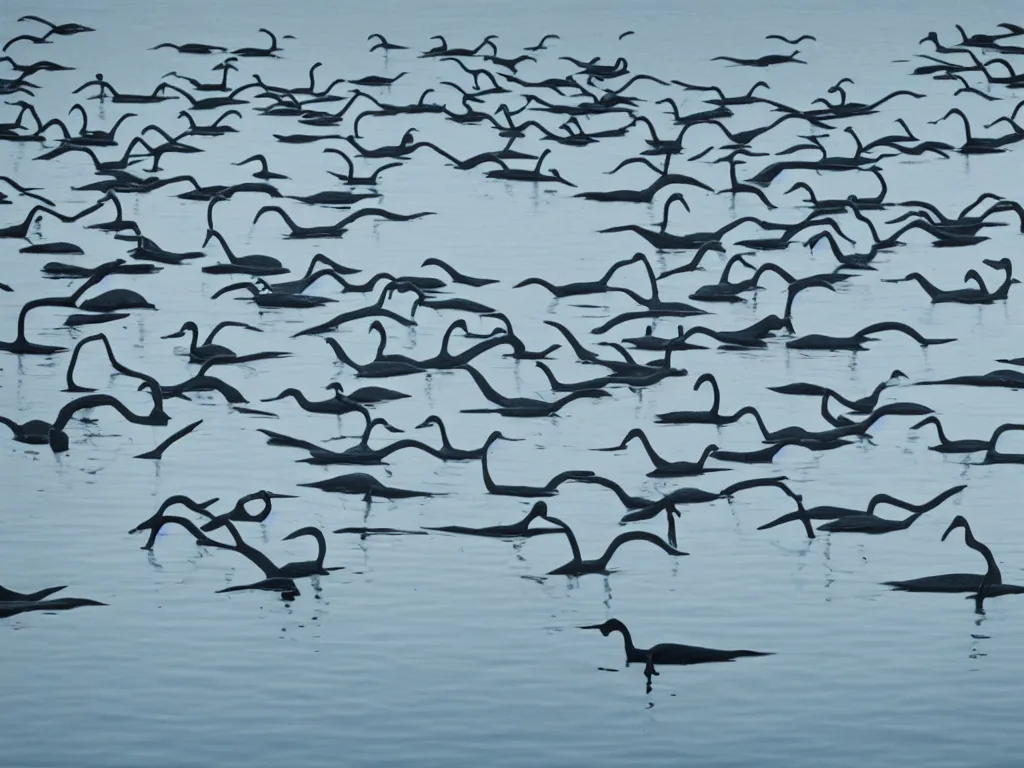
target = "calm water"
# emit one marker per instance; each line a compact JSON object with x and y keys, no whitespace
{"x":445,"y":650}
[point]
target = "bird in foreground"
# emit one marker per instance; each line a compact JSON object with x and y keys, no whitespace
{"x":668,"y":653}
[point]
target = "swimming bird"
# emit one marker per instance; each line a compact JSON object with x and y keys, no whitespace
{"x":962,"y":582}
{"x":117,"y":97}
{"x":549,"y":489}
{"x":338,"y":228}
{"x":763,"y":61}
{"x":200,"y":353}
{"x":860,"y":517}
{"x":115,"y":300}
{"x":21,"y":345}
{"x":204,"y":382}
{"x":193,"y":48}
{"x":272,"y":572}
{"x":147,"y":250}
{"x":579,"y":567}
{"x":38,"y":432}
{"x":338,"y":404}
{"x":974,"y":145}
{"x":838,"y":206}
{"x":862,"y":405}
{"x":13,"y":607}
{"x":264,"y":172}
{"x":663,"y":467}
{"x":67,"y":29}
{"x":375,"y":368}
{"x":448,"y":452}
{"x":978,"y":295}
{"x":582,"y":288}
{"x":271,"y":50}
{"x":274,"y":299}
{"x":875,"y":525}
{"x":857,"y":340}
{"x":993,"y":456}
{"x":668,"y":653}
{"x":367,"y":486}
{"x":952,"y":446}
{"x":375,"y":309}
{"x":634,"y":381}
{"x":1004,"y":377}
{"x":210,"y":102}
{"x":710,"y":416}
{"x":507,"y":173}
{"x":21,"y":230}
{"x":541,"y":45}
{"x":522,"y":406}
{"x":384,"y":44}
{"x":455,"y":275}
{"x":520,"y":529}
{"x":351,"y":178}
{"x":367,"y":395}
{"x":256,"y":264}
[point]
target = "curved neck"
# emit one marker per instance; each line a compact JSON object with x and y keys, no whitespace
{"x":663,"y":226}
{"x":446,"y":339}
{"x":938,"y":428}
{"x":708,"y":450}
{"x":966,"y":122}
{"x":220,"y":239}
{"x":577,"y":556}
{"x":993,"y":576}
{"x":193,"y":333}
{"x":750,"y":410}
{"x":445,"y":442}
{"x":488,"y":480}
{"x":383,"y":341}
{"x":300,"y":398}
{"x":715,"y":393}
{"x":640,"y":435}
{"x":627,"y":641}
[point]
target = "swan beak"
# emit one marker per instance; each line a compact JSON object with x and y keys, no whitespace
{"x":272,"y":495}
{"x":591,"y":626}
{"x":176,"y":335}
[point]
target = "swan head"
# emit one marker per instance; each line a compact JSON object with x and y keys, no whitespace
{"x":612,"y":625}
{"x":925,"y":422}
{"x":380,"y":422}
{"x":704,"y":378}
{"x":958,"y":522}
{"x":307,"y":531}
{"x":185,"y":328}
{"x":1003,"y":263}
{"x":677,"y":197}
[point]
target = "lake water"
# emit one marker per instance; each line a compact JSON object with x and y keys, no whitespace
{"x":443,"y":650}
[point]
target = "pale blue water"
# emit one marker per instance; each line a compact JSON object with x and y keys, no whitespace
{"x":444,"y":650}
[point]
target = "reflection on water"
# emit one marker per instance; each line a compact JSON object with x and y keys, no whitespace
{"x":446,"y":649}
